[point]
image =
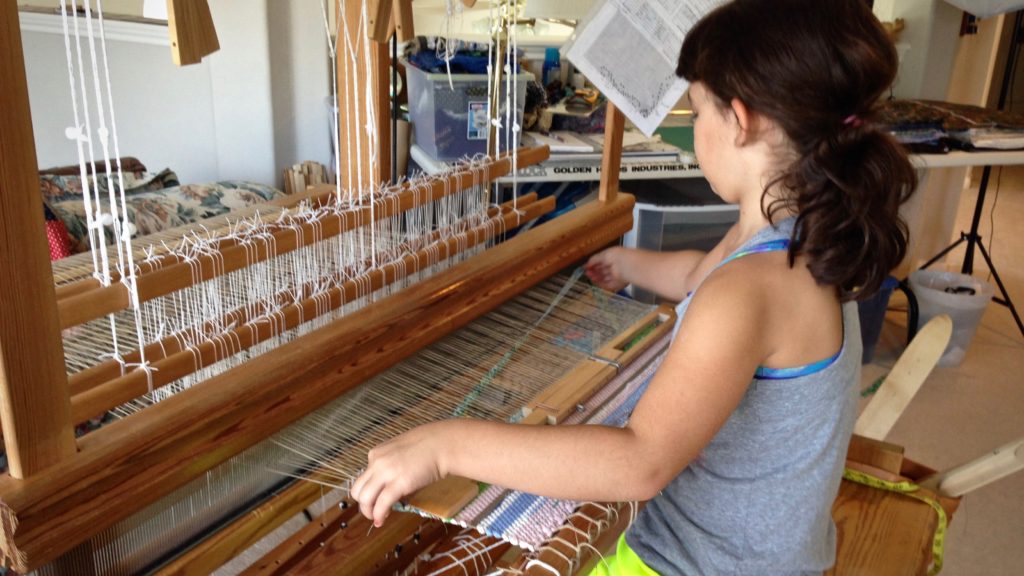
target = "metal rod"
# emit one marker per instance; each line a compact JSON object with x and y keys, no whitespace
{"x":394,"y":107}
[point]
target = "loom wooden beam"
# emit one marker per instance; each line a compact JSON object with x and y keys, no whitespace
{"x":161,"y":281}
{"x":193,"y":35}
{"x":361,"y":157}
{"x":402,"y":15}
{"x":611,"y":159}
{"x":466,"y":553}
{"x":379,"y":12}
{"x":132,"y":385}
{"x":215,"y":551}
{"x":129,"y":464}
{"x":329,"y":545}
{"x":382,"y":93}
{"x":283,"y":558}
{"x":560,"y":399}
{"x":602,"y":524}
{"x":36,"y":412}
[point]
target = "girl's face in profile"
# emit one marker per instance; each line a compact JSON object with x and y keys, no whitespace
{"x":713,"y":139}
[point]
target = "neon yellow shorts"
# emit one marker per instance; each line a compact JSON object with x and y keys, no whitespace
{"x":625,"y":562}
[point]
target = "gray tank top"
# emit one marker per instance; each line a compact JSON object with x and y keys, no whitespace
{"x":758,"y":499}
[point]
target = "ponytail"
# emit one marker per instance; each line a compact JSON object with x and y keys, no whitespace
{"x":846,"y":193}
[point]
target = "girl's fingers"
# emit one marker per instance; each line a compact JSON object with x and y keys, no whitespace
{"x":368,"y":497}
{"x":382,"y":507}
{"x":357,"y":485}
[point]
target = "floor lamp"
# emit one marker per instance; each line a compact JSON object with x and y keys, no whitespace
{"x":972,"y":238}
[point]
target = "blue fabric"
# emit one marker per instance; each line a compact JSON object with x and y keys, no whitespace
{"x":461,"y":63}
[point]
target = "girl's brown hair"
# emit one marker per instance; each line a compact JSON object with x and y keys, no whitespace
{"x":817,"y":68}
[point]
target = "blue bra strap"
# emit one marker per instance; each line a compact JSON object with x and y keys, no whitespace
{"x":764,"y":373}
{"x":770,"y":246}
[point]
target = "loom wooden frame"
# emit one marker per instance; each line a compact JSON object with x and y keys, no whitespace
{"x":446,"y":498}
{"x":61,"y":492}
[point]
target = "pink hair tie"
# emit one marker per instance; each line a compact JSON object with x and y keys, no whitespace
{"x":853,"y":120}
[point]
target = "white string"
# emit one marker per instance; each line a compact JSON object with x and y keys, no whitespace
{"x":533,"y":562}
{"x":103,"y":132}
{"x":490,"y":69}
{"x":76,"y":133}
{"x":514,"y":107}
{"x":353,"y":78}
{"x":332,"y":50}
{"x":510,"y":17}
{"x":128,"y":271}
{"x":87,"y":184}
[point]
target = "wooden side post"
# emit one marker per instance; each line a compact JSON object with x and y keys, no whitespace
{"x":193,"y":36}
{"x":380,"y":19}
{"x":611,"y":161}
{"x":355,"y":149}
{"x":34,"y":400}
{"x":402,"y":15}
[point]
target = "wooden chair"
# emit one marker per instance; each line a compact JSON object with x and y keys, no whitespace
{"x":891,"y":513}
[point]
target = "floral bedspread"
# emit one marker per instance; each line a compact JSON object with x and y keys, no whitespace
{"x":155,"y":202}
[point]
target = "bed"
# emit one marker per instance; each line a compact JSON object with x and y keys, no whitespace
{"x":156,"y":202}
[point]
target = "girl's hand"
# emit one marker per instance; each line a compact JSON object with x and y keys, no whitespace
{"x":396,"y":469}
{"x":605,"y":269}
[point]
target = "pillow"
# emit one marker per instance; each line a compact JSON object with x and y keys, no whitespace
{"x":59,"y":187}
{"x":128,"y":164}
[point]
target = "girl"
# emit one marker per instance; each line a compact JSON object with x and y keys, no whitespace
{"x":740,"y":439}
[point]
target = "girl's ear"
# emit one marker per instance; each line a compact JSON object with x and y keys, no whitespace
{"x":744,"y":121}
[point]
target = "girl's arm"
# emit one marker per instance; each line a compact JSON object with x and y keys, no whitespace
{"x":701,"y":381}
{"x":667,"y":274}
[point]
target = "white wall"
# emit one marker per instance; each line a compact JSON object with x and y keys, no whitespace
{"x":242,"y":100}
{"x":928,"y":45}
{"x":300,"y":76}
{"x":164,"y":113}
{"x":246,"y":112}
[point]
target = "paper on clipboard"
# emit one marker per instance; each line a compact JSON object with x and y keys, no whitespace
{"x":629,"y":51}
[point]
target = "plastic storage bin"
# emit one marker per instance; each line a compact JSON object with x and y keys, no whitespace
{"x":450,"y":122}
{"x":962,"y":297}
{"x":676,"y":214}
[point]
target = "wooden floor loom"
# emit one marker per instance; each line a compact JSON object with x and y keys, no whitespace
{"x":86,"y":506}
{"x":83,"y":505}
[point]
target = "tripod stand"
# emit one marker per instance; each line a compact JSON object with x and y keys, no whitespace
{"x":972,"y":238}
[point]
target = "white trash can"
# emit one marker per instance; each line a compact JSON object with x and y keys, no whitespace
{"x":962,"y":297}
